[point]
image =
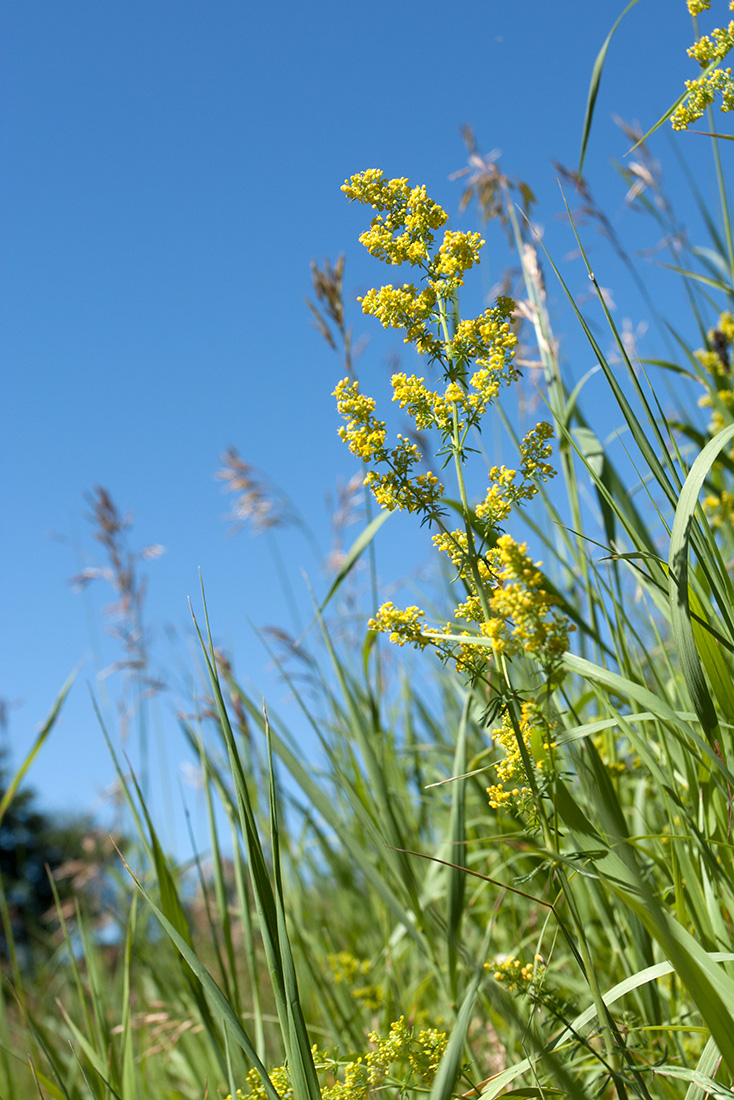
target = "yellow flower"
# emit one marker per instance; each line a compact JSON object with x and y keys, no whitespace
{"x":714,"y":48}
{"x":396,"y":488}
{"x":458,"y":253}
{"x":372,"y":188}
{"x":536,"y":732}
{"x":408,"y":210}
{"x":701,"y":93}
{"x":364,"y":433}
{"x":412,"y":394}
{"x":515,"y":976}
{"x":404,"y":627}
{"x":708,"y":50}
{"x":346,"y":968}
{"x":523,"y":609}
{"x":726,"y":325}
{"x":490,"y":342}
{"x":502,"y":494}
{"x":403,"y":307}
{"x":536,"y":450}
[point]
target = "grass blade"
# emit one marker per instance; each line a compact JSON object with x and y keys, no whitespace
{"x":594,"y":86}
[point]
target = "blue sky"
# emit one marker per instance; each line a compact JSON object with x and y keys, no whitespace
{"x":169,"y":172}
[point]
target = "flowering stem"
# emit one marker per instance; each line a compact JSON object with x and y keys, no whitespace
{"x":456,"y":449}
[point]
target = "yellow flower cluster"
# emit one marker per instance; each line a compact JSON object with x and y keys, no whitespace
{"x":505,"y":582}
{"x":364,"y":433}
{"x":505,"y":601}
{"x":701,"y":93}
{"x":614,"y":767}
{"x":421,"y":493}
{"x":715,"y":360}
{"x":433,"y":409}
{"x":517,"y":977}
{"x":396,"y":486}
{"x":489,"y":341}
{"x":477,"y":355}
{"x":278,"y":1075}
{"x":535,"y":450}
{"x":521,"y":615}
{"x":505,"y":491}
{"x":401,"y":1058}
{"x":426,"y":1052}
{"x":502,"y":494}
{"x":347,"y":969}
{"x":404,"y":307}
{"x":404,"y":627}
{"x":719,"y":508}
{"x":404,"y":232}
{"x":714,"y":48}
{"x":523,"y":609}
{"x":536,"y":730}
{"x":457,"y":253}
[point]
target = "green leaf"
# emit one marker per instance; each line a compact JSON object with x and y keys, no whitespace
{"x":36,"y":747}
{"x":448,"y":1070}
{"x":664,"y":118}
{"x":594,"y":86}
{"x":679,"y":594}
{"x":355,"y":551}
{"x":717,"y":284}
{"x":708,"y":1063}
{"x":215,"y":994}
{"x":702,"y":1081}
{"x":457,"y":836}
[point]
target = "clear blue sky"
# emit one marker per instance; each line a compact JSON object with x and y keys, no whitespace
{"x":169,"y":171}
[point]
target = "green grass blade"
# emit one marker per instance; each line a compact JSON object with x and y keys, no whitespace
{"x":613,"y":682}
{"x":354,"y":553}
{"x":214,"y":993}
{"x":717,"y":284}
{"x":298,"y":1045}
{"x":448,"y":1070}
{"x":705,"y":1084}
{"x":664,"y":117}
{"x":709,"y":986}
{"x":45,"y":730}
{"x":267,"y":899}
{"x":128,"y":1075}
{"x":457,"y":835}
{"x":594,"y":86}
{"x":707,"y":1065}
{"x":683,"y":631}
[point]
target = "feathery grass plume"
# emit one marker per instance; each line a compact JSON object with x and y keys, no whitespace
{"x":328,"y":285}
{"x":488,"y":186}
{"x":257,"y":503}
{"x":125,"y":617}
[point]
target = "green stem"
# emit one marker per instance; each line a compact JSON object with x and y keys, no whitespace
{"x":722,"y":195}
{"x":457,"y":448}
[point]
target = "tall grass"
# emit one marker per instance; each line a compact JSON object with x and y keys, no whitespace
{"x":371,"y":921}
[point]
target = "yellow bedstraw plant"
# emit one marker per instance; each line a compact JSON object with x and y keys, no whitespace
{"x":404,"y":1058}
{"x":719,"y":397}
{"x":709,"y":51}
{"x":506,"y":609}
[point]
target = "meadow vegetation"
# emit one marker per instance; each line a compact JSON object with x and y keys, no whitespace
{"x":510,"y":869}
